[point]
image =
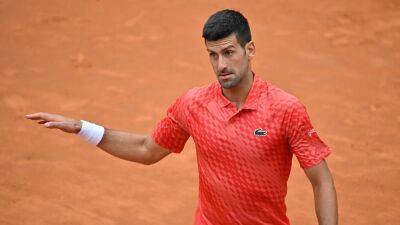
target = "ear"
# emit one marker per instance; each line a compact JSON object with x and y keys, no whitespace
{"x":250,"y":49}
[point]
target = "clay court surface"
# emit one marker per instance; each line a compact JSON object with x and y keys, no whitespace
{"x":121,"y":63}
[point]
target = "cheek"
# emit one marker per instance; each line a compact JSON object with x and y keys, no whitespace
{"x":238,"y":62}
{"x":214,"y":65}
{"x":213,"y":62}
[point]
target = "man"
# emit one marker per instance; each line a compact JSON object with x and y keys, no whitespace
{"x":245,"y":130}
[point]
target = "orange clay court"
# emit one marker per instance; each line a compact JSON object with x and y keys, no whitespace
{"x":122,"y":63}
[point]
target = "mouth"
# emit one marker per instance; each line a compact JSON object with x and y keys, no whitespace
{"x":226,"y":75}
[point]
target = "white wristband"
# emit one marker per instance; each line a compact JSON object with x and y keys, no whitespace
{"x":91,"y":132}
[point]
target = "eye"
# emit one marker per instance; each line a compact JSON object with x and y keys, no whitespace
{"x":212,"y":55}
{"x":228,"y":52}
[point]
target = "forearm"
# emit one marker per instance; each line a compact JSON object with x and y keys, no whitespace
{"x":125,"y":145}
{"x":326,"y":203}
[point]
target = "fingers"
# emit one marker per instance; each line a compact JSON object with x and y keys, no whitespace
{"x":36,"y":116}
{"x":52,"y":121}
{"x":43,"y":116}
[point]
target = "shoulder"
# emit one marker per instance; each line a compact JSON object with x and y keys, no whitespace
{"x":198,"y":95}
{"x":282,"y":99}
{"x":286,"y":107}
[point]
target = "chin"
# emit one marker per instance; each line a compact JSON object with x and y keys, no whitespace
{"x":230,"y":83}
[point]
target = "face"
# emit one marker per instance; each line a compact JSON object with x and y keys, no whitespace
{"x":230,"y":61}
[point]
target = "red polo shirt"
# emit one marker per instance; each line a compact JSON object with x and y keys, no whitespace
{"x":244,"y":156}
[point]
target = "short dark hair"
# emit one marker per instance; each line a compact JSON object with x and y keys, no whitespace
{"x":225,"y":22}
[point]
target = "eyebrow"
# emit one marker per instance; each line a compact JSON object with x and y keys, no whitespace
{"x":229,"y":46}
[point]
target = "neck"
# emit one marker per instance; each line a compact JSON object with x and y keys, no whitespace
{"x":238,"y":94}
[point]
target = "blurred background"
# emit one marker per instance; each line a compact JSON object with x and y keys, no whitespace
{"x":121,"y":63}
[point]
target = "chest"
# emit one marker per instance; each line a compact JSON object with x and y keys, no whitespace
{"x":220,"y":134}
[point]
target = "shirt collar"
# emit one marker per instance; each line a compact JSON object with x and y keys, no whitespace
{"x":252,"y":98}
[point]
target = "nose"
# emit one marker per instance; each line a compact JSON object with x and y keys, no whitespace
{"x":221,"y":64}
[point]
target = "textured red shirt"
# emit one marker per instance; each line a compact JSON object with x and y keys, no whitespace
{"x":244,"y":156}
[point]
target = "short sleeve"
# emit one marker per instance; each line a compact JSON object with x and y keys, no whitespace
{"x":303,"y":140}
{"x":171,"y":132}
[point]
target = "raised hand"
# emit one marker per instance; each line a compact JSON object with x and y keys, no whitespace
{"x":56,"y":121}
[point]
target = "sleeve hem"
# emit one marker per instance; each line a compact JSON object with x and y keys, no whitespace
{"x":176,"y":151}
{"x":326,"y":153}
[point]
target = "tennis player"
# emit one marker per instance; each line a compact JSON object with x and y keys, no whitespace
{"x":246,"y":131}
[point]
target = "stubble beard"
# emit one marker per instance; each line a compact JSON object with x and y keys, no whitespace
{"x":230,"y":83}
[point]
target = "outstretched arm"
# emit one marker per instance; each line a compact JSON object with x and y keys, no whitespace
{"x":324,"y":193}
{"x":133,"y":147}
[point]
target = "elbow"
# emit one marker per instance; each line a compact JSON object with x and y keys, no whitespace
{"x":149,"y":162}
{"x":153,"y":159}
{"x":151,"y":155}
{"x":149,"y":159}
{"x":145,"y":156}
{"x":144,"y":160}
